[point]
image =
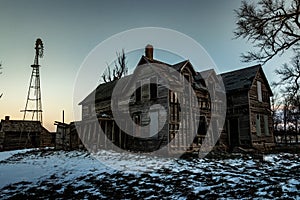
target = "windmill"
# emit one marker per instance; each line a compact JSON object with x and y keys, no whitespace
{"x":34,"y":102}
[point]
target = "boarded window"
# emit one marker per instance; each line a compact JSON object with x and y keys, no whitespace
{"x":259,"y":94}
{"x":266,"y":123}
{"x":258,"y":129}
{"x":138,"y":91}
{"x":153,"y":88}
{"x":85,"y":110}
{"x":153,"y":123}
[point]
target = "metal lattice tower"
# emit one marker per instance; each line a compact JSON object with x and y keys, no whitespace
{"x":34,"y":100}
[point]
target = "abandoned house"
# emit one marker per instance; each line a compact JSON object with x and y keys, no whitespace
{"x":248,"y":121}
{"x":20,"y":134}
{"x":248,"y":114}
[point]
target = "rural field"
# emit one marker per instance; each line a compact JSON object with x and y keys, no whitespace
{"x":49,"y":174}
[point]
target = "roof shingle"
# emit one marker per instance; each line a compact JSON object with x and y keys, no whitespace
{"x":241,"y":79}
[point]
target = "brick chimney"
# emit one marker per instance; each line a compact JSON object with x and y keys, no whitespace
{"x":149,"y":51}
{"x":6,"y":118}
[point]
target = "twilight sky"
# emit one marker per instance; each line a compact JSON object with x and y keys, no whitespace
{"x":70,"y":29}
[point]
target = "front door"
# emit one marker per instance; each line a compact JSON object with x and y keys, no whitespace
{"x":234,"y":132}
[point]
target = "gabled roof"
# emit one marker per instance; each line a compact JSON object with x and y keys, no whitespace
{"x":145,"y":60}
{"x":177,"y":66}
{"x":102,"y":92}
{"x":242,"y":79}
{"x":180,"y":65}
{"x":210,"y":76}
{"x":207,"y":73}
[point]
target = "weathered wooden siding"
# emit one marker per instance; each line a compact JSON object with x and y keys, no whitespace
{"x":19,"y":134}
{"x":238,"y":108}
{"x":143,"y":108}
{"x":260,"y":111}
{"x":47,"y":138}
{"x":18,"y":140}
{"x":66,"y":136}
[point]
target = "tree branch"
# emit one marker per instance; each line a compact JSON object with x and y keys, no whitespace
{"x":271,"y":25}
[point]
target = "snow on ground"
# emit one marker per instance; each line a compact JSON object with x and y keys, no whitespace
{"x":78,"y":174}
{"x":6,"y":154}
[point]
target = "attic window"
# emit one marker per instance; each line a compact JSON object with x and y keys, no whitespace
{"x":259,"y":94}
{"x":265,"y":96}
{"x":187,"y":77}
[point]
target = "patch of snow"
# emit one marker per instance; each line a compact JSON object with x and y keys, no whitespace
{"x":6,"y":154}
{"x":146,"y":177}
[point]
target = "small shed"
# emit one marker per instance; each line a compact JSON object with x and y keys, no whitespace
{"x":20,"y":134}
{"x":66,"y":136}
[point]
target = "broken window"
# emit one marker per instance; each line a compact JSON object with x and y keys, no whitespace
{"x":153,"y":123}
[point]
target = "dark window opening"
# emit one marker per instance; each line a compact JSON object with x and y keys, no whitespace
{"x":265,"y":96}
{"x":138,"y":91}
{"x":153,"y":88}
{"x":187,"y":77}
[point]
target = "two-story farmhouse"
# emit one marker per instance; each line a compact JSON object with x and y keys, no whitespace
{"x":177,"y":113}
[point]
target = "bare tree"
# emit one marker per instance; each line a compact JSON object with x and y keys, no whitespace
{"x":272,"y":25}
{"x":290,"y":76}
{"x":289,"y":83}
{"x":276,"y":103}
{"x":120,"y":69}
